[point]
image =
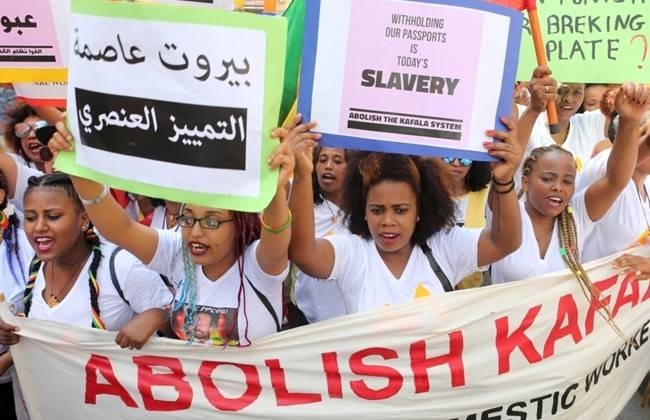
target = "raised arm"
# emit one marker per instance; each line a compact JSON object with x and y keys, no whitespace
{"x":504,"y":235}
{"x":543,"y":88}
{"x":106,"y":214}
{"x":631,"y":103}
{"x":273,"y":249}
{"x":314,"y":256}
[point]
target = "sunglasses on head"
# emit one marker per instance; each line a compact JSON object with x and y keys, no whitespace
{"x":23,"y":129}
{"x":462,"y":161}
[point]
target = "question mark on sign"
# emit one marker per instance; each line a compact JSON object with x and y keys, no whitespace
{"x":645,"y":47}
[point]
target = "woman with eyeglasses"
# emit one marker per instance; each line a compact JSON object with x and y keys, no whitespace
{"x":227,"y":266}
{"x":467,"y":182}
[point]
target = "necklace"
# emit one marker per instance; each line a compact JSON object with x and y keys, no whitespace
{"x":56,"y":298}
{"x":334,"y":218}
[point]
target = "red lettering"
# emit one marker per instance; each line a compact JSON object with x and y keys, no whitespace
{"x":358,"y":367}
{"x":597,"y":303}
{"x":102,"y":364}
{"x":506,"y":344}
{"x":566,"y":309}
{"x":454,"y":360}
{"x":147,"y":379}
{"x":282,"y":395}
{"x":646,"y":295}
{"x":333,"y":375}
{"x":623,"y":298}
{"x":217,"y":399}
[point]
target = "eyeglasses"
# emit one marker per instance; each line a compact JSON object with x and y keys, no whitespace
{"x":462,"y":161}
{"x":207,"y":222}
{"x":23,"y":129}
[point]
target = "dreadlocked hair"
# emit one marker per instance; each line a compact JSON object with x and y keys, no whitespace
{"x":247,"y":229}
{"x":62,"y":181}
{"x":435,"y":207}
{"x":569,"y":250}
{"x":10,"y":235}
{"x":539,"y":151}
{"x":568,"y":236}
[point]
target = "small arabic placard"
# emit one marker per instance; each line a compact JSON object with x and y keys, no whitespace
{"x":175,"y":102}
{"x":29,"y":42}
{"x":420,"y":77}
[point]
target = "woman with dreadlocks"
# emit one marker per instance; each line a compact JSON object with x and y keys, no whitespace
{"x":15,"y":255}
{"x":227,"y":266}
{"x":555,"y":222}
{"x":404,"y":243}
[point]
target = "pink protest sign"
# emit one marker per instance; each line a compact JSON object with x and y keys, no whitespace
{"x":405,"y":74}
{"x":425,"y":77}
{"x":27,"y":35}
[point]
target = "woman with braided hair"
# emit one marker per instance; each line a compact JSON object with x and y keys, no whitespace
{"x":77,"y":280}
{"x":227,"y":266}
{"x":555,"y":222}
{"x":15,"y":255}
{"x":405,"y":243}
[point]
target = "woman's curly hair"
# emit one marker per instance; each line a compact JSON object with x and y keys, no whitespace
{"x":365,"y":170}
{"x":17,"y":113}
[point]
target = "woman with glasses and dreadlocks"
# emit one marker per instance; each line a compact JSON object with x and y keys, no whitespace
{"x":555,"y":221}
{"x":227,"y":266}
{"x":15,"y":255}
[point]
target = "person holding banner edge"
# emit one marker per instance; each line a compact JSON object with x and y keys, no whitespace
{"x":405,"y":244}
{"x":229,"y":265}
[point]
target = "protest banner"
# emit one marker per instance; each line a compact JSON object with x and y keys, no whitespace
{"x":32,"y":44}
{"x":418,"y":77}
{"x":533,"y":349}
{"x":591,"y":41}
{"x":162,"y":101}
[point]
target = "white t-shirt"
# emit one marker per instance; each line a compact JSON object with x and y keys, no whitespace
{"x":318,"y":299}
{"x":585,"y":131}
{"x":143,"y":288}
{"x":224,"y":303}
{"x":366,"y":282}
{"x":526,"y":262}
{"x":23,"y":173}
{"x":14,"y":288}
{"x":626,"y":220}
{"x":460,"y":204}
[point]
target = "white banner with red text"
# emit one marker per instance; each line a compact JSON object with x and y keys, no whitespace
{"x":533,"y":349}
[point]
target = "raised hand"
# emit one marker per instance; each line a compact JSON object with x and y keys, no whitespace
{"x":302,"y":141}
{"x":632,"y":101}
{"x":508,"y":151}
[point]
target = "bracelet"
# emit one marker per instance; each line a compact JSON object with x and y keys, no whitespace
{"x":91,"y":202}
{"x":278,"y":229}
{"x":512,"y":187}
{"x":502,"y":184}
